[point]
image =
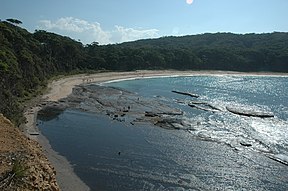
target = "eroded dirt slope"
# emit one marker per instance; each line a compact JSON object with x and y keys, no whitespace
{"x":22,"y":163}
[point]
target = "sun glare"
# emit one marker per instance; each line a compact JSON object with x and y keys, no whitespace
{"x":189,"y":2}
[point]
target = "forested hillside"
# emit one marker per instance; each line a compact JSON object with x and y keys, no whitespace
{"x":28,"y":60}
{"x":221,"y":51}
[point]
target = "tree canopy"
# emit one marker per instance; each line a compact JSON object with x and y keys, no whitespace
{"x":15,"y":21}
{"x":28,"y":60}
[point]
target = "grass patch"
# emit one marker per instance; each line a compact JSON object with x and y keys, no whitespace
{"x":19,"y":169}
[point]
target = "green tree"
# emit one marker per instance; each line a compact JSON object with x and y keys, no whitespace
{"x":14,"y":21}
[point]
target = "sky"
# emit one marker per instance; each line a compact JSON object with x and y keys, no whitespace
{"x":116,"y":21}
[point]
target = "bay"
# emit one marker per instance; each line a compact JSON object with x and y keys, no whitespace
{"x":219,"y":150}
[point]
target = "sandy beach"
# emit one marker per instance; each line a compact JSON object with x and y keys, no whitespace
{"x":61,"y":88}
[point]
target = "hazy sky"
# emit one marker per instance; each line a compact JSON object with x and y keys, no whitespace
{"x":114,"y":21}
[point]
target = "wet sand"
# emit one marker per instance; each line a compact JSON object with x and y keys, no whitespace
{"x":61,"y":88}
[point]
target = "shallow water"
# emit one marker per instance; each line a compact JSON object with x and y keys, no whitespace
{"x":220,"y":151}
{"x":267,"y":94}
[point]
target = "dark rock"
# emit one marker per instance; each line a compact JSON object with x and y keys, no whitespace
{"x":150,"y":114}
{"x":250,"y":113}
{"x":186,"y":93}
{"x":245,"y":144}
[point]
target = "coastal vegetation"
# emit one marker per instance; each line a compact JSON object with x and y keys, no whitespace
{"x":29,"y":60}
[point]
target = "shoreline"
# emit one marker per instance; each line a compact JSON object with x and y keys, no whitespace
{"x":61,"y":88}
{"x":66,"y":84}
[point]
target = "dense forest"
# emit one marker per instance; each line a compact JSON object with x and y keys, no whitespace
{"x":28,"y":60}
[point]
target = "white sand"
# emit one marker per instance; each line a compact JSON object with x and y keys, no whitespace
{"x":63,"y":87}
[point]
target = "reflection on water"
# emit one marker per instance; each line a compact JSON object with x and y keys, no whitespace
{"x":114,"y":156}
{"x":255,"y":94}
{"x":49,"y":113}
{"x":220,"y":151}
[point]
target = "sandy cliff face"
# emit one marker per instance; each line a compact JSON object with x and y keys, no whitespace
{"x":22,"y":163}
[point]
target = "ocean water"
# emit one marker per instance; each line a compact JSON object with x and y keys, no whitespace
{"x":217,"y":149}
{"x":266,"y":94}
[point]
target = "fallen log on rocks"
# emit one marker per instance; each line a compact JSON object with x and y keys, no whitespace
{"x":186,"y":93}
{"x":249,"y":113}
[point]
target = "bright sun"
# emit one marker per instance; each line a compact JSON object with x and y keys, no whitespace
{"x":189,"y":2}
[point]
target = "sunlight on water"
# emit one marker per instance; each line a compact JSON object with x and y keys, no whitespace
{"x":273,"y":131}
{"x":251,"y":94}
{"x":212,"y":148}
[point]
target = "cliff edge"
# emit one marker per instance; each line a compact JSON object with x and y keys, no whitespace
{"x":23,"y":165}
